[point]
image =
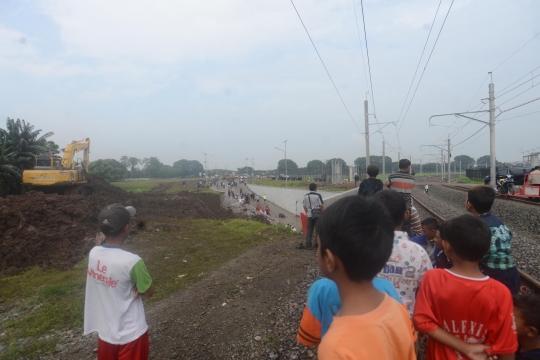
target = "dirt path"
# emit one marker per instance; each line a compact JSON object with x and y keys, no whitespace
{"x":230,"y":313}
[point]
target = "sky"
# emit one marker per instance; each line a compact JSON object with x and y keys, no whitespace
{"x":234,"y":79}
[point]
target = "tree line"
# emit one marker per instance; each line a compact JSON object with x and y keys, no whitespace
{"x":133,"y":168}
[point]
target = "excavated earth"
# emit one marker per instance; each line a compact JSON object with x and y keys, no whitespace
{"x":50,"y":230}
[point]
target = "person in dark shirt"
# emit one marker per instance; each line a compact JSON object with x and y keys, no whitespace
{"x":371,"y":185}
{"x":527,"y":315}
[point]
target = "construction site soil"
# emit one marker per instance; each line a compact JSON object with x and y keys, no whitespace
{"x":56,"y":231}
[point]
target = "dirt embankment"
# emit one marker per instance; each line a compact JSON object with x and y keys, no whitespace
{"x":50,"y":230}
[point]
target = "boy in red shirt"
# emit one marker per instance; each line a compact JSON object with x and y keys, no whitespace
{"x":465,"y":313}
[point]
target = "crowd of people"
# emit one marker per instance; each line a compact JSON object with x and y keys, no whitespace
{"x":391,"y":280}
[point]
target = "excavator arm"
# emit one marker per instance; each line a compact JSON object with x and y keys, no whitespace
{"x":74,"y":148}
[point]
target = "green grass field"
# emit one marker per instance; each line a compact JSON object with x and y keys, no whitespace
{"x":53,"y":300}
{"x":466,"y":180}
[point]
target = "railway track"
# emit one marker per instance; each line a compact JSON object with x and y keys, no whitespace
{"x":529,"y":283}
{"x":525,"y":201}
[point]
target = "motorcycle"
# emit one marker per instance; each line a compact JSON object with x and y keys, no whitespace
{"x":505,"y":185}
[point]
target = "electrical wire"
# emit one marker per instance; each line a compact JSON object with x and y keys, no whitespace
{"x":419,"y":60}
{"x":524,"y":91}
{"x":360,"y":42}
{"x":515,"y":87}
{"x":520,"y":116}
{"x":518,"y":50}
{"x":427,"y":62}
{"x":519,"y":78}
{"x":327,"y":72}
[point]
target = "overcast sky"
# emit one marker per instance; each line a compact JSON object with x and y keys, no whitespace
{"x":176,"y":79}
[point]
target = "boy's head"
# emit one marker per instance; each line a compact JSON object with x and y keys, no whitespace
{"x":527,"y":314}
{"x":404,"y":165}
{"x":466,"y":237}
{"x":373,"y":171}
{"x":480,"y":199}
{"x":355,"y":239}
{"x":312,"y":187}
{"x":429,"y":227}
{"x":113,"y":220}
{"x":394,"y":203}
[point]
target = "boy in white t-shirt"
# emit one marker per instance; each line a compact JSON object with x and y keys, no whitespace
{"x":115,"y":279}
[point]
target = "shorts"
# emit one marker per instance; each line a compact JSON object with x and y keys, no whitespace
{"x":135,"y":350}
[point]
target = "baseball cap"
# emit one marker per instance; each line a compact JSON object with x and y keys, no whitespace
{"x":116,"y":216}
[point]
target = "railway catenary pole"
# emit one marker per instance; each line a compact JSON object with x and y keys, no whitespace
{"x":383,"y":160}
{"x":449,"y":165}
{"x":490,"y":123}
{"x":366,"y":116}
{"x":442,"y":164}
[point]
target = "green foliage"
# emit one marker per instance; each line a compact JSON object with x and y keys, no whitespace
{"x":374,"y":160}
{"x":109,"y":169}
{"x":314,"y":167}
{"x":189,"y":168}
{"x":245,"y":170}
{"x":465,"y":160}
{"x":482,"y":161}
{"x":292,"y":168}
{"x":25,"y":142}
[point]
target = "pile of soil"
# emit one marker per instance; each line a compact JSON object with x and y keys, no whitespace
{"x":51,"y":230}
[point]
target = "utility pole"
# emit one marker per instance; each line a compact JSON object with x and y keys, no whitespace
{"x":366,"y":115}
{"x":205,"y":164}
{"x":383,"y":160}
{"x":491,"y":124}
{"x":442,"y":164}
{"x":252,"y":172}
{"x":410,"y":168}
{"x":449,"y":155}
{"x":492,"y":171}
{"x":285,"y":152}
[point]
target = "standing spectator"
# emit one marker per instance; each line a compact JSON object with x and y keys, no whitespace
{"x":408,"y":262}
{"x":498,"y":263}
{"x":258,"y":198}
{"x":116,"y":278}
{"x":403,"y":183}
{"x":355,"y":240}
{"x":426,"y":189}
{"x":267,"y":210}
{"x":527,"y":315}
{"x":371,"y":185}
{"x":356,"y":179}
{"x":313,"y":206}
{"x":229,"y":193}
{"x":465,"y":313}
{"x":264,"y":197}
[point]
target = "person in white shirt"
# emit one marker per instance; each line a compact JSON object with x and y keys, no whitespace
{"x":409,"y":261}
{"x":115,"y":279}
{"x":426,"y":188}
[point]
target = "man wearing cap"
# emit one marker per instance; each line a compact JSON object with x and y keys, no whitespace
{"x":115,"y":279}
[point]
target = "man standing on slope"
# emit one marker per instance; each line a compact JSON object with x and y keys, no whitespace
{"x":403,"y":182}
{"x":313,"y":206}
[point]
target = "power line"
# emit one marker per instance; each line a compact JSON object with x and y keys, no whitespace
{"x":423,"y":71}
{"x":328,"y":73}
{"x":360,"y":42}
{"x":419,"y":60}
{"x":369,"y":65}
{"x":524,"y":91}
{"x":515,"y":117}
{"x":508,"y":58}
{"x":515,"y":87}
{"x":518,"y":79}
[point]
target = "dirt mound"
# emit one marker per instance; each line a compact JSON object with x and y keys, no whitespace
{"x":50,"y":230}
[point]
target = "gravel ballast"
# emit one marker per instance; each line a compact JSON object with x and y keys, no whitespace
{"x":522,"y":219}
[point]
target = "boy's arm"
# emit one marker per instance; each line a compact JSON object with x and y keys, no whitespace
{"x":141,"y":278}
{"x":472,"y":351}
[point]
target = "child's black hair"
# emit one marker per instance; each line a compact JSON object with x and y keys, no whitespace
{"x":469,"y":236}
{"x":404,"y":163}
{"x":360,"y":232}
{"x":481,"y":198}
{"x":312,"y":187}
{"x":394,"y":203}
{"x":529,"y":305}
{"x":373,"y":170}
{"x":108,"y":231}
{"x":430,"y":223}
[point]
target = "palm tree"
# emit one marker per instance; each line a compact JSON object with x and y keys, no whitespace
{"x":25,"y":142}
{"x":133,"y":161}
{"x":10,"y":175}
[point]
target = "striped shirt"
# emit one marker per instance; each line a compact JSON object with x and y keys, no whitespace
{"x":403,"y":183}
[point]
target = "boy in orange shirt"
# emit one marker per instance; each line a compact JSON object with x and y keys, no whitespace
{"x":465,"y":313}
{"x":355,"y":237}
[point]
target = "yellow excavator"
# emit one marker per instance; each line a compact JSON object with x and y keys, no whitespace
{"x":61,"y":175}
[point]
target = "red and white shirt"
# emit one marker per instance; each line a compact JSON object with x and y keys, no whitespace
{"x":405,"y":268}
{"x":477,"y":311}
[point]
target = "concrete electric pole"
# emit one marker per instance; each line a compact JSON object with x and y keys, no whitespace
{"x":449,"y":156}
{"x":383,"y":160}
{"x":366,"y":116}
